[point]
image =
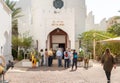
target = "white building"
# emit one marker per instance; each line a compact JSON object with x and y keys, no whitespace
{"x":53,"y":23}
{"x":90,"y":23}
{"x":5,"y":31}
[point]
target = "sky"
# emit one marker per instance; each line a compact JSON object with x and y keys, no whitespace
{"x":103,"y":8}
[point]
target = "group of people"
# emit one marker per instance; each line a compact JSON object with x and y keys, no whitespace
{"x":70,"y":59}
{"x":46,"y":58}
{"x":43,"y":58}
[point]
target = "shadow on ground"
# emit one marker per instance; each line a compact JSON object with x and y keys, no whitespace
{"x":54,"y":67}
{"x":44,"y":68}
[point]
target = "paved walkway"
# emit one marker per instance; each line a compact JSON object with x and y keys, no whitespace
{"x":54,"y":74}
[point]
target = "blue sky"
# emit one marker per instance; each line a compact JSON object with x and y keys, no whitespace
{"x":103,"y":8}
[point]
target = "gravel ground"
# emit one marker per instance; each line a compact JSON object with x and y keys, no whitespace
{"x":94,"y":74}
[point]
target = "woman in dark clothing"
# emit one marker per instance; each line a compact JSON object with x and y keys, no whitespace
{"x":108,"y":63}
{"x":75,"y":56}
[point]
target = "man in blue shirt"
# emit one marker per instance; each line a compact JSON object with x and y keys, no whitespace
{"x":59,"y":55}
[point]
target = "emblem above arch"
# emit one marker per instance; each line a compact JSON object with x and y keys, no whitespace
{"x":58,"y":4}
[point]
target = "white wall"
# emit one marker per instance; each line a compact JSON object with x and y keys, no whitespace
{"x":89,"y":21}
{"x":80,"y":15}
{"x":42,"y":24}
{"x":24,"y":22}
{"x":5,"y":31}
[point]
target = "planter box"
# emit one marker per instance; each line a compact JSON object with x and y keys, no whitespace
{"x":28,"y":64}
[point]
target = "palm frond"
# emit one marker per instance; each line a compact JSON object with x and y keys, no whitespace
{"x":10,"y":4}
{"x":18,"y":16}
{"x":16,"y":12}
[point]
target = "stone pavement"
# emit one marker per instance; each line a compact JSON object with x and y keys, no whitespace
{"x":94,"y":74}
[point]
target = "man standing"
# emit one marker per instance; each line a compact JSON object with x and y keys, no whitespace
{"x":50,"y":56}
{"x":59,"y":56}
{"x":75,"y":56}
{"x":46,"y":57}
{"x":42,"y":57}
{"x":66,"y":58}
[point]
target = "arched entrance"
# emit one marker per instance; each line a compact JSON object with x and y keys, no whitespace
{"x":58,"y":38}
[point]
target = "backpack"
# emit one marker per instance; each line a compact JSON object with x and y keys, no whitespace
{"x":75,"y":55}
{"x":66,"y":54}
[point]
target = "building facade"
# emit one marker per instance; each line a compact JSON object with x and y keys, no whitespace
{"x":5,"y":31}
{"x":53,"y":23}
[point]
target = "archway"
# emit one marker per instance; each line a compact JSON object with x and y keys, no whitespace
{"x":58,"y":38}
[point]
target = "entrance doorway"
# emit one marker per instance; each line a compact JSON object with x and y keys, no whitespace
{"x":62,"y":45}
{"x":58,"y":39}
{"x":58,"y":45}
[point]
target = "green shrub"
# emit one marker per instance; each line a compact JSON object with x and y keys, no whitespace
{"x":20,"y":57}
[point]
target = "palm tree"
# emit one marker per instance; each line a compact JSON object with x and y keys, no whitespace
{"x":15,"y":15}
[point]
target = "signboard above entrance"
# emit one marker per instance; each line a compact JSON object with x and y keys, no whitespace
{"x":57,"y":23}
